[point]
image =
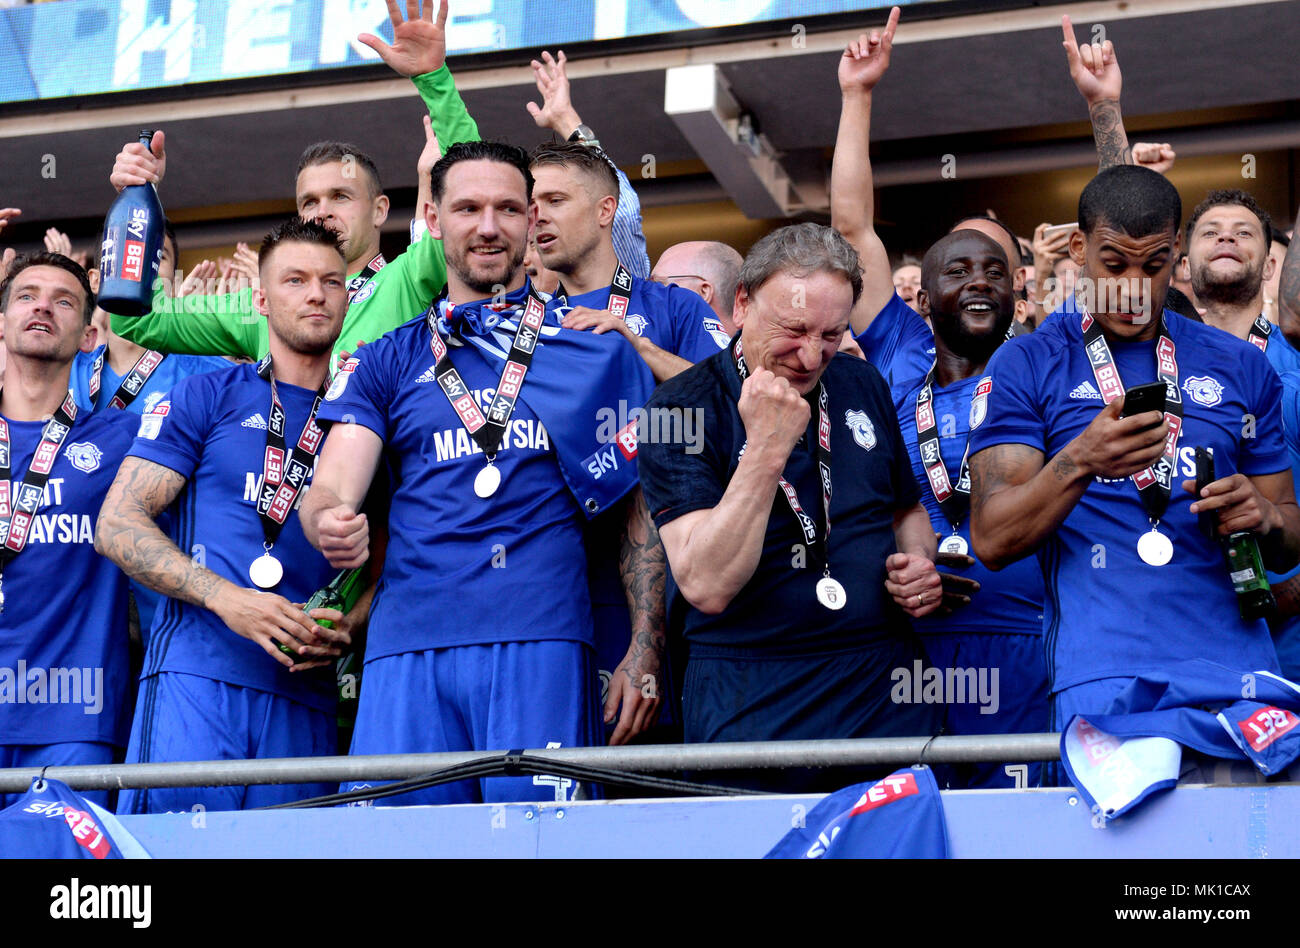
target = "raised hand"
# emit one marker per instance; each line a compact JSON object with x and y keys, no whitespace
{"x":1093,"y":67}
{"x":198,"y":279}
{"x":556,"y":111}
{"x":1156,"y":156}
{"x":431,"y":153}
{"x":866,"y":59}
{"x":419,"y":42}
{"x":7,"y":214}
{"x":136,"y":164}
{"x":774,"y":414}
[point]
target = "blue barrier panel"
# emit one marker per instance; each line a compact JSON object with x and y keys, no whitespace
{"x":1189,"y":822}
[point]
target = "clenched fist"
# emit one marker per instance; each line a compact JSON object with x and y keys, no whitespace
{"x":774,"y":414}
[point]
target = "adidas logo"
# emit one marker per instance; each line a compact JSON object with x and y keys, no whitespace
{"x":1085,"y":390}
{"x":427,"y":376}
{"x":254,"y":421}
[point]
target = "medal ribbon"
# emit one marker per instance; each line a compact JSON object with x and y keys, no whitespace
{"x":16,"y":514}
{"x":819,"y":551}
{"x":132,"y":383}
{"x":1155,"y":483}
{"x":365,"y":276}
{"x":954,"y":500}
{"x":1260,"y":330}
{"x":283,"y":477}
{"x":620,"y":289}
{"x":488,"y":431}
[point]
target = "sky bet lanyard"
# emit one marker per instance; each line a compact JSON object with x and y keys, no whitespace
{"x":487,"y":431}
{"x":365,"y":276}
{"x":282,"y":477}
{"x":1155,"y":483}
{"x":16,"y":514}
{"x":619,"y":292}
{"x":1260,"y":330}
{"x":829,"y":592}
{"x":132,"y":384}
{"x":954,"y":501}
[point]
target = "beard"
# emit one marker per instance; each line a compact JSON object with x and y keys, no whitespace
{"x":978,"y":346}
{"x":305,"y":338}
{"x":485,"y":277}
{"x":1229,"y":289}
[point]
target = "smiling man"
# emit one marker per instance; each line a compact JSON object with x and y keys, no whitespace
{"x":63,"y":608}
{"x":989,"y":620}
{"x":1133,"y":585}
{"x":231,"y":453}
{"x":792,"y":596}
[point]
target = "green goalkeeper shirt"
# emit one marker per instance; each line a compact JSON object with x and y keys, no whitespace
{"x":227,"y":324}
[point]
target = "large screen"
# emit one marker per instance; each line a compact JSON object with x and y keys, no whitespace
{"x":86,"y":47}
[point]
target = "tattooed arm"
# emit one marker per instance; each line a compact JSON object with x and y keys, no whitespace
{"x":1095,"y":71}
{"x":643,"y":567}
{"x":1288,"y":293}
{"x":128,"y":535}
{"x":1017,"y":500}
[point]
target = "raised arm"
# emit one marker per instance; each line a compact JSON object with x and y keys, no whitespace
{"x":329,"y":514}
{"x":1095,"y":71}
{"x":558,"y":114}
{"x":1017,"y":500}
{"x":127,"y":533}
{"x":852,"y":199}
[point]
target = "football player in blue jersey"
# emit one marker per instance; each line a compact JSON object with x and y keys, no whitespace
{"x":1132,"y":583}
{"x":234,"y":451}
{"x":990,"y":628}
{"x":63,"y":608}
{"x":488,"y":413}
{"x":575,"y":196}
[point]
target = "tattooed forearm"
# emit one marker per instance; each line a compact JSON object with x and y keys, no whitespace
{"x":128,"y":535}
{"x":1108,"y":132}
{"x":1064,"y":468}
{"x":644,"y":569}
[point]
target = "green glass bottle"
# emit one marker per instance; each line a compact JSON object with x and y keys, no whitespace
{"x":1246,"y":569}
{"x":342,"y":594}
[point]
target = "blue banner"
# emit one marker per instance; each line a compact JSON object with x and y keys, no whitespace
{"x":85,"y":47}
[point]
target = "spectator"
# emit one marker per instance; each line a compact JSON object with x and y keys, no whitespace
{"x":63,"y":609}
{"x":907,"y":280}
{"x":792,"y":628}
{"x":1278,"y":244}
{"x":469,"y":680}
{"x":216,"y":644}
{"x":707,"y":267}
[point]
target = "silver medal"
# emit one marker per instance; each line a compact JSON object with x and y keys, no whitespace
{"x":954,"y":544}
{"x":830,"y":593}
{"x":266,"y":572}
{"x":487,"y":481}
{"x":1155,"y":548}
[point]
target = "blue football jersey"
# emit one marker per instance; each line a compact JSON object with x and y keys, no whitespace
{"x":63,"y":630}
{"x":465,"y":570}
{"x":212,"y":430}
{"x":898,"y":343}
{"x":169,"y":371}
{"x":674,"y":319}
{"x":1009,"y":600}
{"x":1107,"y":612}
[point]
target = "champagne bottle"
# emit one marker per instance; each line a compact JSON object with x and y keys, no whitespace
{"x":341,"y":593}
{"x":132,"y":248}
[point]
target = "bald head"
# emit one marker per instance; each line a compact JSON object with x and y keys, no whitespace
{"x":707,"y":267}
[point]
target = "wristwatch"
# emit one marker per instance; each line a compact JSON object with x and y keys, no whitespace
{"x":584,"y":134}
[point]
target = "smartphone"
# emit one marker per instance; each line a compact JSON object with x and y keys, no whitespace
{"x":1144,"y":398}
{"x":1056,"y":229}
{"x":1208,"y":520}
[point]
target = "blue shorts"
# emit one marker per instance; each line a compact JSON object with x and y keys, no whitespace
{"x":65,"y":754}
{"x":508,"y":696}
{"x":1010,"y":683}
{"x":181,"y":717}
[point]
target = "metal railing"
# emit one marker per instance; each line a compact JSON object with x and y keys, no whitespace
{"x":648,"y":758}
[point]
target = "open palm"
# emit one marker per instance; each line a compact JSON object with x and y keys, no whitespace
{"x":419,"y":42}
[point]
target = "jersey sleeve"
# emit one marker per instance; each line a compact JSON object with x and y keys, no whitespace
{"x":452,"y":122}
{"x":691,"y":318}
{"x":1263,"y":451}
{"x":1005,"y":406}
{"x":362,"y":390}
{"x":224,"y":324}
{"x":629,"y":241}
{"x":676,"y":477}
{"x":896,"y":334}
{"x":173,"y":433}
